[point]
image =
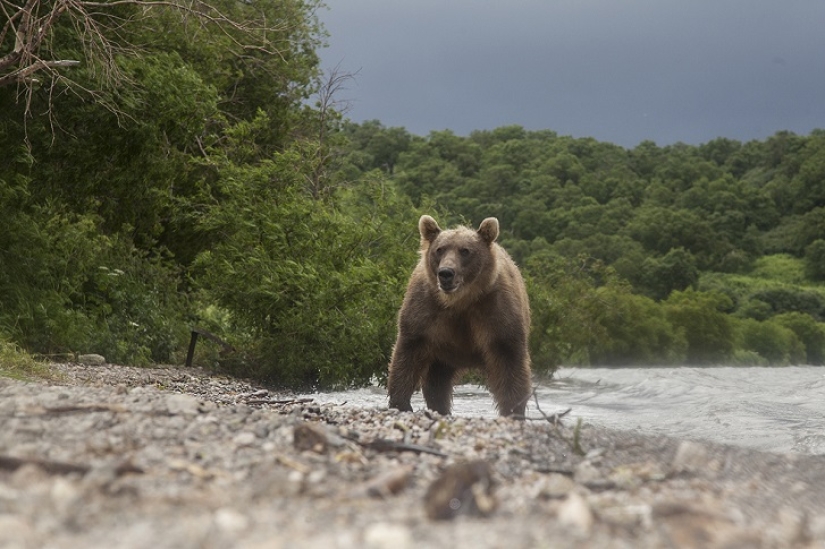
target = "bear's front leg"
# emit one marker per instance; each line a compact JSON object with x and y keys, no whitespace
{"x":509,"y":378}
{"x":438,"y":387}
{"x":406,"y":368}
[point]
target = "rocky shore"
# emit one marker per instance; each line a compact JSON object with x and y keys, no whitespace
{"x":118,"y":457}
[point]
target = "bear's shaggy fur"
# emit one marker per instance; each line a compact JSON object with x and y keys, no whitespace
{"x":465,"y":307}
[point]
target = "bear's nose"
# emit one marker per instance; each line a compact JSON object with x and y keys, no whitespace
{"x":446,"y":275}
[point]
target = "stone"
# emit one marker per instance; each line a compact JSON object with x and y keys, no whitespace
{"x":91,"y":359}
{"x":244,"y":439}
{"x":180,"y":404}
{"x":556,"y":486}
{"x":16,"y":532}
{"x":586,"y":473}
{"x":691,"y":457}
{"x":230,"y":521}
{"x":462,"y":489}
{"x":382,"y":535}
{"x":575,"y":512}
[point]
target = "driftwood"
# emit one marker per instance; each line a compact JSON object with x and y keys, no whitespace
{"x":208,"y":335}
{"x":387,"y":445}
{"x":9,"y":463}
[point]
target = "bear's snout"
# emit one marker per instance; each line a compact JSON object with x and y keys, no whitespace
{"x":446,"y":279}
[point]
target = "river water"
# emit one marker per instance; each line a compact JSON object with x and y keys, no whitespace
{"x":773,"y":409}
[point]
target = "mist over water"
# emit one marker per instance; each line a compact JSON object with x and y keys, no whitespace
{"x":772,"y":409}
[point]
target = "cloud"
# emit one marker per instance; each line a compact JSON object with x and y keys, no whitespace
{"x":617,"y":71}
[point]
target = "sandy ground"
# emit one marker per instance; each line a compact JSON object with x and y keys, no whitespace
{"x":118,"y":457}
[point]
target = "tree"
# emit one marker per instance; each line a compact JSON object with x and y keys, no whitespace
{"x":772,"y":341}
{"x":810,"y":332}
{"x":815,"y":260}
{"x":565,"y":308}
{"x":708,"y":331}
{"x":637,"y":332}
{"x":676,"y":270}
{"x":310,"y":289}
{"x":40,"y":39}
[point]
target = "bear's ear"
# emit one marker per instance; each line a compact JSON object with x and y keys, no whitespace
{"x":488,"y":230}
{"x":428,"y":228}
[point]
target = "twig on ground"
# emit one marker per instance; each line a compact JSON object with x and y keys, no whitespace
{"x":72,"y":408}
{"x":387,"y":445}
{"x":10,"y":463}
{"x":555,"y":421}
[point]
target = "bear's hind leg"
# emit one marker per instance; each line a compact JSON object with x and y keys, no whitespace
{"x":438,"y":388}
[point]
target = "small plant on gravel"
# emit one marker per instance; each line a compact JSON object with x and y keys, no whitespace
{"x":17,"y":364}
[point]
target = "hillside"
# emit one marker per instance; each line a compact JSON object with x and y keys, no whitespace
{"x":705,"y":254}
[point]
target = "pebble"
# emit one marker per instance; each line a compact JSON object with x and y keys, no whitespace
{"x":556,"y":486}
{"x":691,"y":457}
{"x":64,"y":494}
{"x":586,"y":473}
{"x":15,"y":532}
{"x":462,"y":489}
{"x":180,"y":404}
{"x":230,"y":521}
{"x":214,"y":462}
{"x":244,"y":439}
{"x":91,"y":359}
{"x":575,"y":512}
{"x":382,"y":535}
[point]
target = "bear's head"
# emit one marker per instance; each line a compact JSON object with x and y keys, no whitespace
{"x":460,"y":262}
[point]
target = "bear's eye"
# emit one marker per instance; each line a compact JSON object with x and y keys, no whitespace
{"x":464,"y":252}
{"x":439,"y":250}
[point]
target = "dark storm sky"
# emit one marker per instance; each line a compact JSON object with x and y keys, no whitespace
{"x":618,"y":70}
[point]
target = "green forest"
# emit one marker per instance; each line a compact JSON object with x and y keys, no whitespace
{"x":172,"y":165}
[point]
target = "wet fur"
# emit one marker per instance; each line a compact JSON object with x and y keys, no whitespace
{"x":484,"y":323}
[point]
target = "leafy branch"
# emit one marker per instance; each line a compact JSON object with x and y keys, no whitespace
{"x":29,"y":33}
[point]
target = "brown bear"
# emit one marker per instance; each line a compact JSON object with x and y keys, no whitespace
{"x":465,"y":307}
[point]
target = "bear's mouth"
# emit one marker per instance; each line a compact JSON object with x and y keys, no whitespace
{"x":449,"y":288}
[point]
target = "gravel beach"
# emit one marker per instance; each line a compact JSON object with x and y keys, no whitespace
{"x":120,"y":457}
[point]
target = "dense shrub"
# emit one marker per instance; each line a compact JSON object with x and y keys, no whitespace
{"x":815,"y":260}
{"x":311,"y":289}
{"x":770,"y":340}
{"x":707,"y":330}
{"x":564,"y":309}
{"x":791,"y":299}
{"x":637,"y":332}
{"x":809,"y":332}
{"x":74,"y":290}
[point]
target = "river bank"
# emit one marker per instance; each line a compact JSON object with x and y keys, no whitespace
{"x":111,"y":456}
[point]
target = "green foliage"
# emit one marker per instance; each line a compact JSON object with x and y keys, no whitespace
{"x":104,"y":201}
{"x":815,"y":260}
{"x":707,"y":330}
{"x":790,"y":299}
{"x":676,"y":270}
{"x":809,"y":332}
{"x":73,"y":289}
{"x":312,"y":287}
{"x":17,"y":364}
{"x":782,"y":268}
{"x":140,"y":316}
{"x":771,"y":341}
{"x":637,"y":331}
{"x":564,"y":309}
